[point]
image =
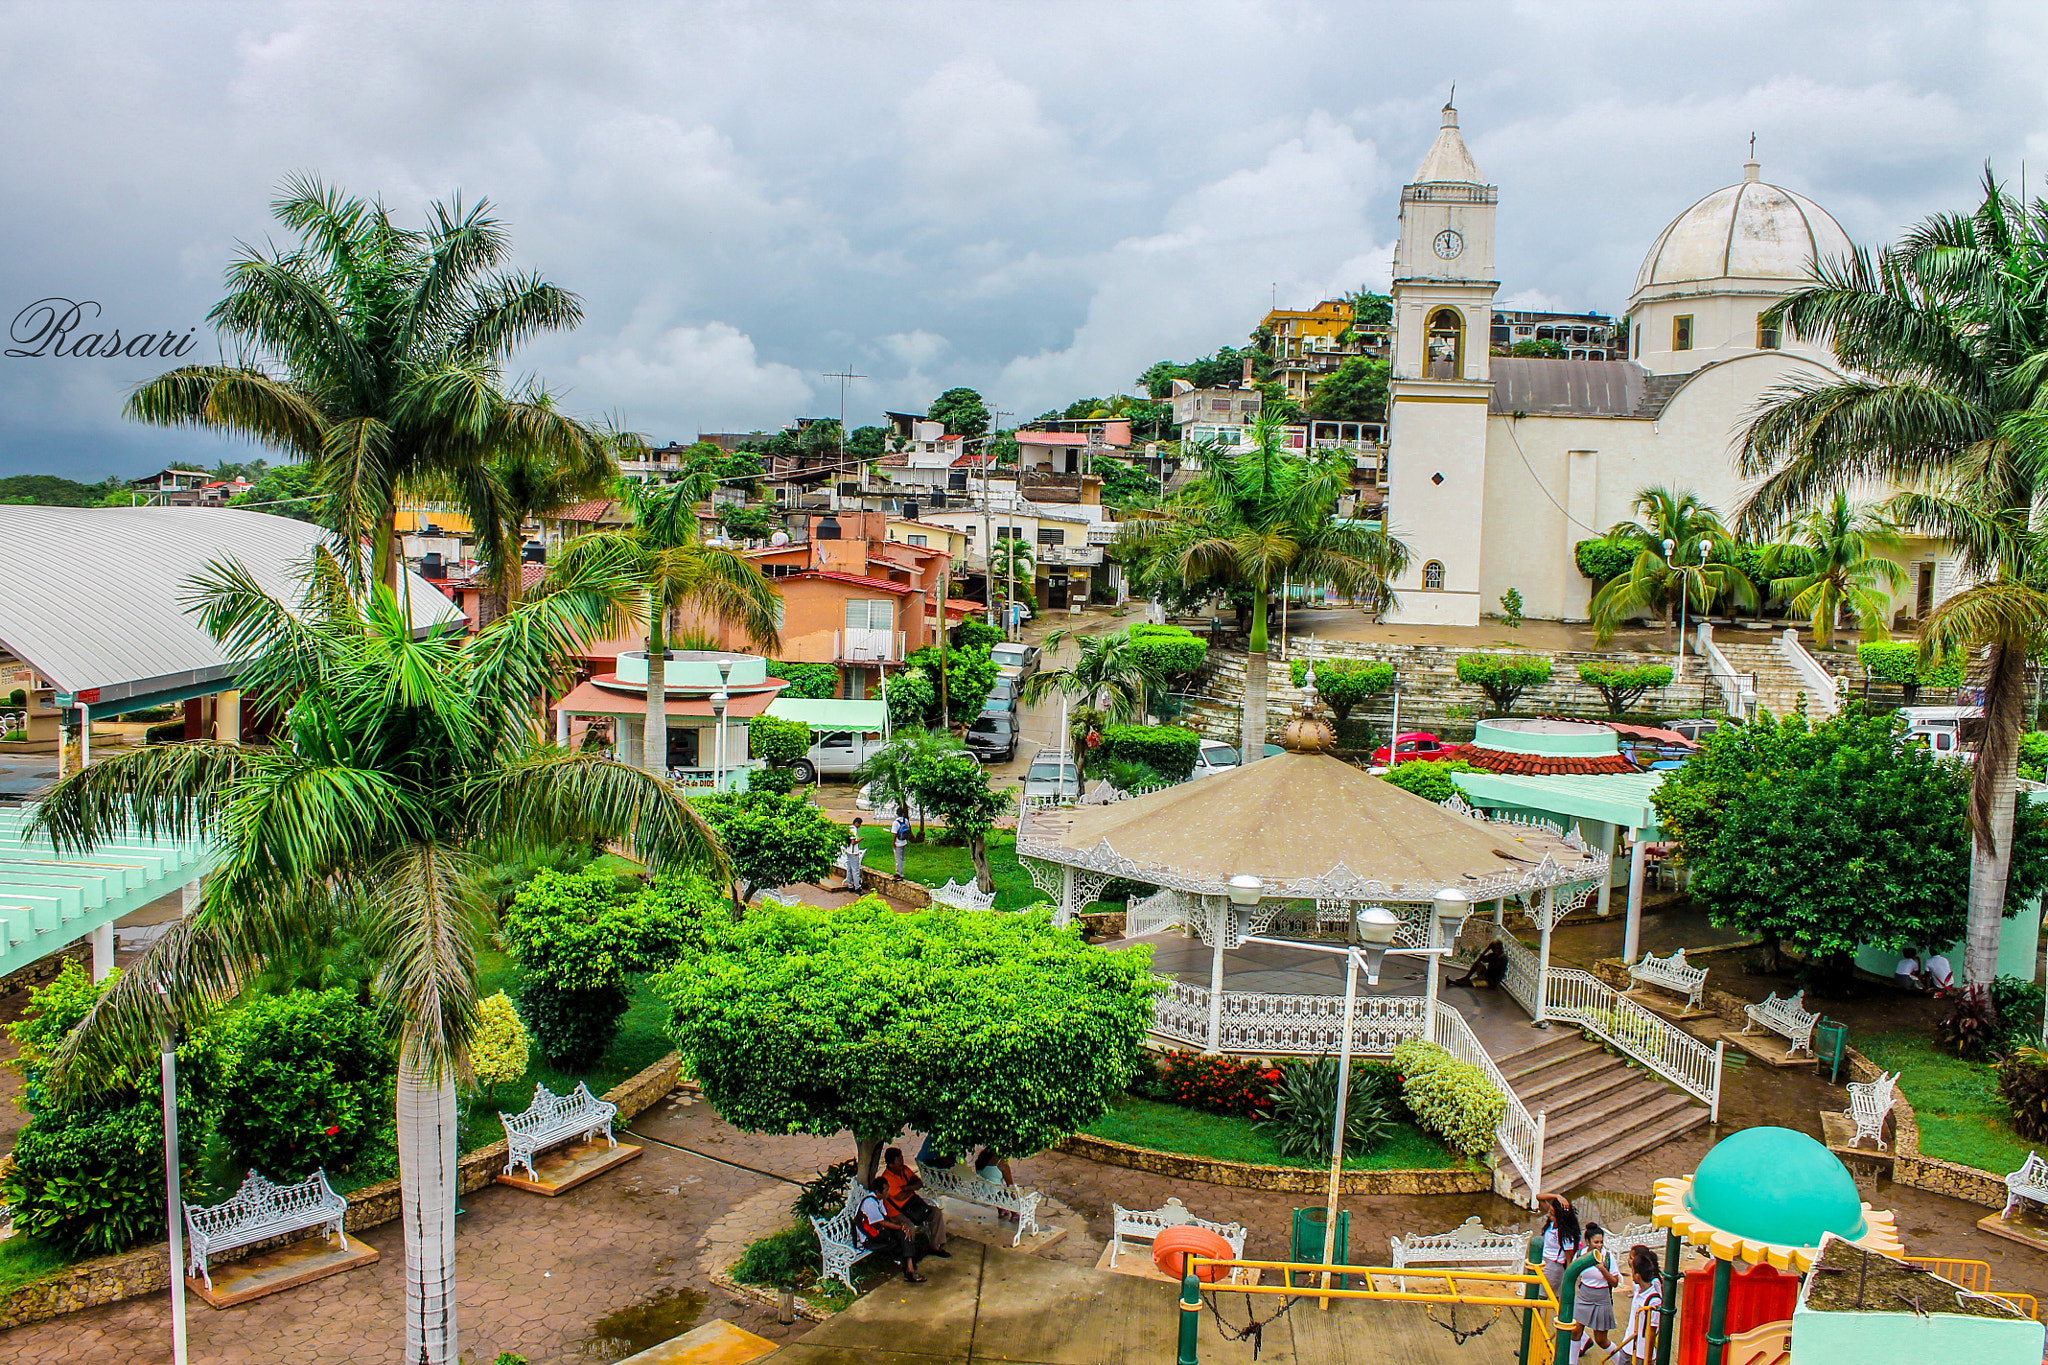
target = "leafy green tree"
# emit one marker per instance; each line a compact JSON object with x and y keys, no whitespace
{"x":1276,"y":403}
{"x":1511,"y":608}
{"x":1537,"y":350}
{"x":815,"y":682}
{"x":962,"y":411}
{"x":47,"y":490}
{"x":970,"y":676}
{"x":971,"y":632}
{"x":868,"y":443}
{"x":956,"y":789}
{"x":1903,"y":664}
{"x":746,"y":522}
{"x":1660,"y":577}
{"x":779,"y":743}
{"x":1369,"y":309}
{"x":773,"y":839}
{"x":913,"y":699}
{"x":306,"y":1082}
{"x":1252,"y":520}
{"x":1210,"y":372}
{"x":1010,"y":573}
{"x":400,"y":760}
{"x":1110,"y":673}
{"x":1938,"y":339}
{"x":1603,"y":559}
{"x":977,"y":1030}
{"x":287,"y":490}
{"x":1126,"y":485}
{"x":1429,"y":778}
{"x":1171,"y":652}
{"x":1503,"y":677}
{"x":1355,"y":391}
{"x":1344,"y":683}
{"x":1832,"y":835}
{"x":664,"y":554}
{"x":525,"y":482}
{"x":377,"y":357}
{"x":1834,"y":559}
{"x":1621,"y":686}
{"x":897,"y":767}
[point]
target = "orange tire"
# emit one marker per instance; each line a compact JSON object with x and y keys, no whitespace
{"x":1171,"y":1248}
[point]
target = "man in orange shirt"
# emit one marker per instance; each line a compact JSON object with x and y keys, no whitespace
{"x":899,"y":1194}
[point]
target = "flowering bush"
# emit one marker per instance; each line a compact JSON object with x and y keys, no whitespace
{"x":497,"y":1051}
{"x":307,"y":1083}
{"x":1217,"y":1085}
{"x":1453,"y":1099}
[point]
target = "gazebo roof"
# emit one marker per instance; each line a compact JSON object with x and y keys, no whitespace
{"x":1308,"y":825}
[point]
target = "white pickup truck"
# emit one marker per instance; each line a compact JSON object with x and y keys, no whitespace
{"x":836,"y":754}
{"x":1947,"y":731}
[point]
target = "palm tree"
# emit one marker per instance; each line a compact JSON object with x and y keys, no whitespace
{"x":1009,"y":566}
{"x":527,"y":481}
{"x":1255,"y":518}
{"x":665,"y":553}
{"x":1667,"y":537}
{"x":401,"y":764}
{"x":1834,"y":558}
{"x":1108,"y":680}
{"x":895,"y":768}
{"x":375,"y":353}
{"x":1942,"y":339}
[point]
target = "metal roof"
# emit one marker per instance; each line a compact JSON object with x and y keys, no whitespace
{"x":91,"y":596}
{"x":1623,"y":799}
{"x":833,"y":714}
{"x":1566,"y":388}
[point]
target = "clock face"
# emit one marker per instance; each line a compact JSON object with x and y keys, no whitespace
{"x":1449,"y":244}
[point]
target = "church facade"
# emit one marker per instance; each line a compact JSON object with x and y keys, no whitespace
{"x":1498,"y":466}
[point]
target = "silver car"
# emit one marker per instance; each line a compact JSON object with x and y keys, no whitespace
{"x":1052,"y":775}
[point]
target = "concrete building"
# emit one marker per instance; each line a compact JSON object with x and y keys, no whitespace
{"x":1583,"y":336}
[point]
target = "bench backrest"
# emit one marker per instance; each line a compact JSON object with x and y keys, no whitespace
{"x":2034,"y":1171}
{"x":839,"y":1227}
{"x":1791,"y":1009}
{"x":1146,"y":1224}
{"x":1471,"y":1241}
{"x":260,"y":1202}
{"x":1674,"y":966}
{"x":548,"y":1107}
{"x":964,"y":897}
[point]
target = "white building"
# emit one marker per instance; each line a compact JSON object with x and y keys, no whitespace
{"x":1498,"y":466}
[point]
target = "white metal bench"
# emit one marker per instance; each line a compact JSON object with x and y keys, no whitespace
{"x":1787,"y":1018}
{"x":1469,"y":1246}
{"x":1142,"y":1225}
{"x":1673,"y":974}
{"x":970,"y":1188}
{"x":964,"y":897}
{"x":257,"y":1212}
{"x":839,"y":1248}
{"x":1870,"y":1103}
{"x":1621,"y":1241}
{"x":554,"y":1118}
{"x":2030,"y":1181}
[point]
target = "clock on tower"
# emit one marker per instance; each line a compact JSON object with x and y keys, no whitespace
{"x":1448,"y":244}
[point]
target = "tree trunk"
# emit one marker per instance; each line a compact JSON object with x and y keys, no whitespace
{"x":1991,"y":812}
{"x":1252,"y":731}
{"x":977,"y":848}
{"x":426,"y":1179}
{"x":384,"y":549}
{"x":867,"y":1155}
{"x":654,"y":748}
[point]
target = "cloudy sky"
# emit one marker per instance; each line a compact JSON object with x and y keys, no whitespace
{"x":1034,"y":199}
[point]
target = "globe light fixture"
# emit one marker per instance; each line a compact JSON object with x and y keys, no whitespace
{"x":1377,"y":926}
{"x":1246,"y":889}
{"x":1452,"y":906}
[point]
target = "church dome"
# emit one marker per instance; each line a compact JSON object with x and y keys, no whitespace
{"x":1750,"y":230}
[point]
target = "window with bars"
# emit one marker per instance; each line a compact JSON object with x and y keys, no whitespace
{"x":1681,"y":332}
{"x":870,"y":613}
{"x":1433,"y":575}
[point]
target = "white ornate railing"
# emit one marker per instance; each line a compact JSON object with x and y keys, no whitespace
{"x":1272,"y":1025}
{"x":1520,"y":978}
{"x":1150,"y":914}
{"x":1520,"y":1135}
{"x":1823,"y":690}
{"x":1737,"y":688}
{"x":1579,"y":998}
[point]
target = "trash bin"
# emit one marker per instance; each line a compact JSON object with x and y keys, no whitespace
{"x":1308,"y":1243}
{"x":1830,"y":1043}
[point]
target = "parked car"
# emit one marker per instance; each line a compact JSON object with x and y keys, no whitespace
{"x":1002,"y":698}
{"x":1694,"y":728}
{"x":1408,"y":745}
{"x":835,"y":755}
{"x":1947,"y":731}
{"x":1215,"y":757}
{"x":1052,"y":775}
{"x":1015,"y":654}
{"x":993,"y":737}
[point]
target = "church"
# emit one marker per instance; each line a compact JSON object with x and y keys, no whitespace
{"x":1498,"y":466}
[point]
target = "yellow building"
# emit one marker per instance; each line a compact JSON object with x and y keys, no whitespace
{"x":1327,"y":319}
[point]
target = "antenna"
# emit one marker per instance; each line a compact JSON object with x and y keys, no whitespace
{"x":844,"y":377}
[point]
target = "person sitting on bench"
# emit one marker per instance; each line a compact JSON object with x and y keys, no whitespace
{"x":889,"y":1237}
{"x":1486,"y":970}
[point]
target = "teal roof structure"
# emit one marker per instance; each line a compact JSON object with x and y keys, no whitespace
{"x":1611,"y":798}
{"x":1776,"y":1185}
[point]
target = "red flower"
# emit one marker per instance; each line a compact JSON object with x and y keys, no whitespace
{"x":333,"y":1130}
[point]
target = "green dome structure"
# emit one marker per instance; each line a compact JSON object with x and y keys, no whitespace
{"x":1776,"y":1185}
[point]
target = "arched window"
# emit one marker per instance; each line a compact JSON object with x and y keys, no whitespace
{"x":1433,"y":574}
{"x":1445,"y":341}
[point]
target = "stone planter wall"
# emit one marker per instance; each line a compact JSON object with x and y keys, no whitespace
{"x":1279,"y":1179}
{"x":146,"y":1270}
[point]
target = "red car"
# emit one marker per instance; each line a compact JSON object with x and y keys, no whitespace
{"x":1412,"y":744}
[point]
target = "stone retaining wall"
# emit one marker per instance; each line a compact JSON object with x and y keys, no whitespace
{"x":1243,"y":1175}
{"x":146,"y":1270}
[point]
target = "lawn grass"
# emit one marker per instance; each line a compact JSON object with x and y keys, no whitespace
{"x":1170,"y":1128}
{"x":1962,"y":1116}
{"x":22,"y":1259}
{"x":932,"y":863}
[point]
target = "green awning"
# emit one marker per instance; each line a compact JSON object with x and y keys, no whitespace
{"x":1610,"y":798}
{"x":833,"y":715}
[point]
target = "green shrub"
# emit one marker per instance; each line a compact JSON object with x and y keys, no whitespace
{"x":781,"y":1260}
{"x":164,"y":734}
{"x":148,"y":713}
{"x":572,"y":1028}
{"x":2023,"y":1081}
{"x":824,"y":1194}
{"x":1898,"y":662}
{"x":2019,"y":1005}
{"x":498,"y":1050}
{"x":1503,"y":677}
{"x":975,"y":633}
{"x":1344,"y":683}
{"x":1622,"y":687}
{"x":1429,"y":778}
{"x":1170,"y":651}
{"x":1602,"y":559}
{"x":306,"y":1083}
{"x":1166,"y":749}
{"x":813,"y":682}
{"x":53,"y":1010}
{"x":18,"y":697}
{"x":2034,"y":755}
{"x":1303,"y":1114}
{"x":1452,"y":1099}
{"x":511,"y":868}
{"x":92,"y":1182}
{"x":778,"y":742}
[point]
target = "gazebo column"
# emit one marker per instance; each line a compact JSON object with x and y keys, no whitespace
{"x":1217,"y":926}
{"x":1544,"y":908}
{"x":561,"y":728}
{"x":1632,"y":931}
{"x":1608,"y":835}
{"x":103,"y":952}
{"x":1067,"y":907}
{"x":1500,"y":910}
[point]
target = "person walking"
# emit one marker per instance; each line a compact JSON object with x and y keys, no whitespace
{"x":1593,"y":1304}
{"x":1645,"y":1309}
{"x":900,"y":832}
{"x":850,"y":856}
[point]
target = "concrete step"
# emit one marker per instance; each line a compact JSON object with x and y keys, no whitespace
{"x":1588,"y":1085}
{"x":1568,"y":1043}
{"x":1606,"y":1116}
{"x":1568,"y":1173}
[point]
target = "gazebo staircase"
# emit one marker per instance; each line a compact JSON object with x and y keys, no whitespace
{"x":1599,"y":1111}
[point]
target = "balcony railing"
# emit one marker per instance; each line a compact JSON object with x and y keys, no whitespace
{"x":844,"y":646}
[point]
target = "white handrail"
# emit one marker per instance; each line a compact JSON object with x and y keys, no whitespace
{"x":1519,"y":981}
{"x":1823,"y":689}
{"x":1579,"y":998}
{"x":1736,"y":687}
{"x":1519,"y":1134}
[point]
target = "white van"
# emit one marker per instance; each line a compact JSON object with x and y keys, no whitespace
{"x":1947,"y":731}
{"x":836,"y":754}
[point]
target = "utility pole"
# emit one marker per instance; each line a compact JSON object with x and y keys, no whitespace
{"x":845,"y":377}
{"x":988,"y":544}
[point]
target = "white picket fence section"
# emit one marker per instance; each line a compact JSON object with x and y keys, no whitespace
{"x":1520,"y":1135}
{"x":1580,"y":998}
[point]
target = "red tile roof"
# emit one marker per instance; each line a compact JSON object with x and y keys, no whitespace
{"x":884,"y":584}
{"x":584,"y":511}
{"x":1538,"y":765}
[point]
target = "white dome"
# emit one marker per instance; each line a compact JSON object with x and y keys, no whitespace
{"x":1747,"y":231}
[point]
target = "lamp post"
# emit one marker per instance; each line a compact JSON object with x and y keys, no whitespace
{"x":1244,"y":892}
{"x":718,"y":704}
{"x":1671,"y":547}
{"x":174,"y":1197}
{"x":1447,"y":913}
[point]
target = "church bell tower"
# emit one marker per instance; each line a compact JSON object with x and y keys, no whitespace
{"x":1443,"y":324}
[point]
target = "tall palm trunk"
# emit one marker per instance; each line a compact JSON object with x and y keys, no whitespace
{"x":427,"y":1190}
{"x":654,"y":751}
{"x":1992,"y":794}
{"x":1252,"y":732}
{"x":384,"y":548}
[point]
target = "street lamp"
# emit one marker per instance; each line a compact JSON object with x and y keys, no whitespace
{"x":1671,"y":547}
{"x":1245,"y":889}
{"x":1447,"y":914}
{"x":1377,"y":926}
{"x":718,"y":703}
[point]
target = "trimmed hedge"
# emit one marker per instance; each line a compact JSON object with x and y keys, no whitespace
{"x":1344,"y":683}
{"x":1429,"y":778}
{"x":170,"y":733}
{"x":1601,"y":559}
{"x":1898,"y":662}
{"x":1166,"y":749}
{"x":1502,"y":677}
{"x":1170,"y":651}
{"x":1452,"y":1099}
{"x":1622,"y":687}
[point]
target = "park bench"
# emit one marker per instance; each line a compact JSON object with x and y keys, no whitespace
{"x":970,"y":1188}
{"x":1469,"y":1246}
{"x":257,"y":1212}
{"x":839,"y":1248}
{"x":1787,"y":1018}
{"x":1142,"y":1225}
{"x":1870,"y":1102}
{"x":964,"y":896}
{"x":1673,"y":975}
{"x":2030,"y":1181}
{"x":554,"y":1118}
{"x":1621,"y":1241}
